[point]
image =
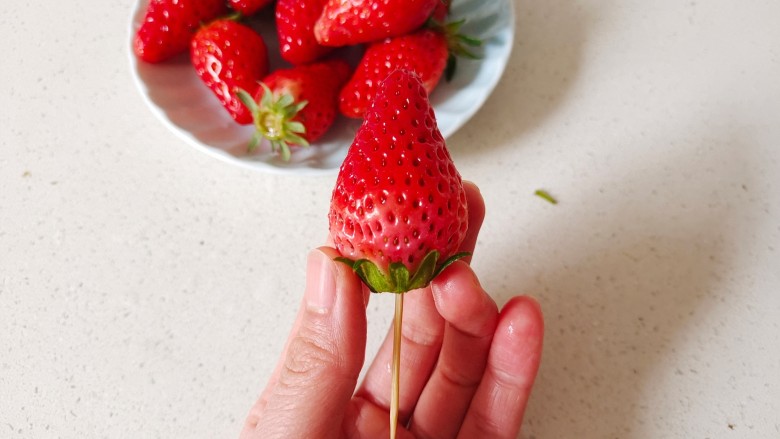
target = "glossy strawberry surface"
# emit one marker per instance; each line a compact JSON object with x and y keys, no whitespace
{"x":229,"y":55}
{"x":424,"y":52}
{"x":295,"y":21}
{"x":398,"y":195}
{"x":249,"y":7}
{"x":168,"y":26}
{"x":346,"y":22}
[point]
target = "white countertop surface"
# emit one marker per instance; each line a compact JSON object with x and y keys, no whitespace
{"x":146,"y":288}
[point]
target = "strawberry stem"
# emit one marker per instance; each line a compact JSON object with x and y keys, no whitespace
{"x":234,"y":16}
{"x":543,"y":194}
{"x":396,"y":366}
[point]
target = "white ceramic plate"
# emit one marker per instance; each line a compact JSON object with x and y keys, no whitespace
{"x":182,"y":102}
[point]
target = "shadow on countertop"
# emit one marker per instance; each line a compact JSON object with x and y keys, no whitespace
{"x":633,"y":267}
{"x":546,"y":56}
{"x":646,"y":261}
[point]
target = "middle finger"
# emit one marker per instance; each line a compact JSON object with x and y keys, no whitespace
{"x":471,"y":317}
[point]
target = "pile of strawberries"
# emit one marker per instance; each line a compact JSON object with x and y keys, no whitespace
{"x":296,"y":105}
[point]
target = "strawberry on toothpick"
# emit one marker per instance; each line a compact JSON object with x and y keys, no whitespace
{"x":398,"y":213}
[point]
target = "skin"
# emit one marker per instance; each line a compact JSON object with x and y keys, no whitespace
{"x":467,"y":367}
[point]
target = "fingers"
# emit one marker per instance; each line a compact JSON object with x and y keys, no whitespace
{"x":367,"y":420}
{"x":476,"y":212}
{"x":472,"y":317}
{"x":422,"y":334}
{"x":324,"y":355}
{"x":499,"y":403}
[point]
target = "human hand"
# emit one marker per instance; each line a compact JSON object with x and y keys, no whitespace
{"x":466,"y":368}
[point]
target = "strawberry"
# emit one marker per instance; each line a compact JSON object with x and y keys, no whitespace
{"x":295,"y":21}
{"x":441,"y":11}
{"x":248,"y":7}
{"x":429,"y":52}
{"x":351,"y":22}
{"x":228,"y":55}
{"x":169,"y":25}
{"x":296,"y":106}
{"x":424,"y":52}
{"x":398,"y":207}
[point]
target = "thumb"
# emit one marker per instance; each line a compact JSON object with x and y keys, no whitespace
{"x":324,"y":355}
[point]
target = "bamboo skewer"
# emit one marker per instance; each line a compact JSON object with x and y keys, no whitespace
{"x":396,"y":366}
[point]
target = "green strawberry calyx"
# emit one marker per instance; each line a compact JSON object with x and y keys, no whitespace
{"x":398,"y":279}
{"x":273,"y":119}
{"x":458,"y":44}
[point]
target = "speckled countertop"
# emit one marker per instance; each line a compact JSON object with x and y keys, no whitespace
{"x":145,"y":287}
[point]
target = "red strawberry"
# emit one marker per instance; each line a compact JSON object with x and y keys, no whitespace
{"x":169,"y":25}
{"x":228,"y":55}
{"x":398,"y":206}
{"x":424,"y":52}
{"x":427,"y":52}
{"x":248,"y":7}
{"x":351,"y":22}
{"x":441,"y":11}
{"x":295,"y":26}
{"x":296,"y":106}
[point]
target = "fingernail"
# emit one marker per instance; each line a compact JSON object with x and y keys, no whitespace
{"x":320,"y":282}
